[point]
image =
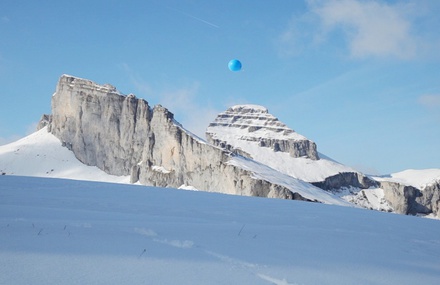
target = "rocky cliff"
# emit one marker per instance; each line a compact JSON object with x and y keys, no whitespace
{"x":123,"y":135}
{"x":346,"y":179}
{"x":406,"y":199}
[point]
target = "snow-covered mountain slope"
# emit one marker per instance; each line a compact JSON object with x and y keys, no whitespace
{"x":372,"y":198}
{"x":41,"y":154}
{"x":251,"y":129}
{"x":306,"y":190}
{"x":55,"y":231}
{"x":412,"y":177}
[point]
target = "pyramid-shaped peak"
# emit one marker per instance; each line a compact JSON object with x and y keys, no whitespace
{"x":253,"y":123}
{"x":253,"y":120}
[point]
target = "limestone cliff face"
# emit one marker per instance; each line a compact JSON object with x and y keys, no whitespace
{"x":123,"y":135}
{"x":100,"y":126}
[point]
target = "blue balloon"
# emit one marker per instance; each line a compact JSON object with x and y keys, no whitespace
{"x":234,"y":65}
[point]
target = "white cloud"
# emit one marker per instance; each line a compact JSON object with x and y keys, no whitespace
{"x":367,"y":28}
{"x":371,"y":28}
{"x":430,"y":100}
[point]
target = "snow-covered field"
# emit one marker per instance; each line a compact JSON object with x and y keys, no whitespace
{"x":55,"y":231}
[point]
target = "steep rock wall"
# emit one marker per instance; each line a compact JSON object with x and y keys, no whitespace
{"x":100,"y":126}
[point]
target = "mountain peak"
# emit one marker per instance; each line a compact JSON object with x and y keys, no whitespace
{"x":69,"y":81}
{"x":248,"y":108}
{"x":254,"y":123}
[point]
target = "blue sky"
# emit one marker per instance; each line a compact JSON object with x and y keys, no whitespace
{"x":360,"y":78}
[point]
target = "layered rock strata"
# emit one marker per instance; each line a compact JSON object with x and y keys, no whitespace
{"x":254,"y":123}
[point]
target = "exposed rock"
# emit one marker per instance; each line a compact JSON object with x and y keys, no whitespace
{"x":254,"y":123}
{"x":431,"y":198}
{"x":123,"y":135}
{"x":404,"y":199}
{"x":88,"y":119}
{"x":346,"y":179}
{"x":44,"y":121}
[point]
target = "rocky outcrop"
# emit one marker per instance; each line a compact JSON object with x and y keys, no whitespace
{"x":346,"y":179}
{"x":123,"y":135}
{"x":44,"y":121}
{"x":404,"y":199}
{"x":254,"y":123}
{"x":431,"y":198}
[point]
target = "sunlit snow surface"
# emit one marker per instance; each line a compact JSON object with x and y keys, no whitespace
{"x":41,"y":154}
{"x":55,"y":231}
{"x":307,"y":190}
{"x":416,"y":178}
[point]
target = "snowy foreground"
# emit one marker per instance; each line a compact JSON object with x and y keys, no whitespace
{"x":55,"y":231}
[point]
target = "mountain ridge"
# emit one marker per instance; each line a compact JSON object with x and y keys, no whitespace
{"x":248,"y":151}
{"x":124,"y":135}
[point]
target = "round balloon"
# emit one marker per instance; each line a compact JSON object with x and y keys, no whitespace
{"x":234,"y":65}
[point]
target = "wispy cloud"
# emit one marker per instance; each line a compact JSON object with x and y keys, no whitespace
{"x":182,"y":101}
{"x":4,"y":19}
{"x":195,"y":18}
{"x":371,"y":28}
{"x":431,"y":101}
{"x":367,"y":28}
